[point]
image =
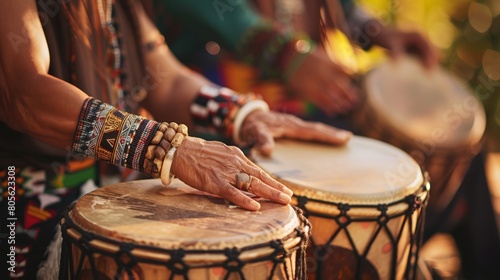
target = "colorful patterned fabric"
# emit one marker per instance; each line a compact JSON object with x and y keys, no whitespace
{"x":48,"y":179}
{"x":115,"y":58}
{"x":110,"y":135}
{"x":40,"y":197}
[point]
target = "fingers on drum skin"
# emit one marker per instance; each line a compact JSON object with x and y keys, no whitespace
{"x":234,"y":195}
{"x":263,"y":190}
{"x":260,"y":175}
{"x":318,"y":132}
{"x":328,"y":134}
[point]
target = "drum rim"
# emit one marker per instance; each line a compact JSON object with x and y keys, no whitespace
{"x":359,"y":210}
{"x":73,"y":233}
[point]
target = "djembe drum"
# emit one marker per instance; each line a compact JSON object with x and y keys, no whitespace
{"x":429,"y":114}
{"x":365,"y":202}
{"x":143,"y":230}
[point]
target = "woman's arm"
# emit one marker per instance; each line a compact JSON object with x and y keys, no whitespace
{"x":31,"y":100}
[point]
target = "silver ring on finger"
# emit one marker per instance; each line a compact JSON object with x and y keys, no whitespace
{"x":243,"y":181}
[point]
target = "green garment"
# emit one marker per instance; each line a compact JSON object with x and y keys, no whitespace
{"x":196,"y":22}
{"x":199,"y":21}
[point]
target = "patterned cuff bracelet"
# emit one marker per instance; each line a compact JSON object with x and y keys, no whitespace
{"x":218,"y":108}
{"x":110,"y":135}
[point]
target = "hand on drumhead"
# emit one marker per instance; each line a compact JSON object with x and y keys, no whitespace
{"x":400,"y":42}
{"x":223,"y":170}
{"x":260,"y":128}
{"x":324,"y":83}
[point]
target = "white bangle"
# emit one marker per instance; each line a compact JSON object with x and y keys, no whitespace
{"x":166,"y":176}
{"x":241,"y":115}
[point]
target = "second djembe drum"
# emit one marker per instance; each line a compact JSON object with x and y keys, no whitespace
{"x":366,"y":203}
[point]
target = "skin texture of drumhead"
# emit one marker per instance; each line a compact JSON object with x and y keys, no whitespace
{"x":178,"y":216}
{"x":429,"y":105}
{"x":364,"y":171}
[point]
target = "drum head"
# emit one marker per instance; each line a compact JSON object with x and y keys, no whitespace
{"x":364,"y":171}
{"x":429,"y":105}
{"x":178,"y":217}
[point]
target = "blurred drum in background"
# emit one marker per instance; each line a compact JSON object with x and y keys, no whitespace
{"x":429,"y":114}
{"x":365,"y":201}
{"x":143,"y":230}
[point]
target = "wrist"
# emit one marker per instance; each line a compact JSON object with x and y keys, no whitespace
{"x":113,"y":136}
{"x":243,"y":113}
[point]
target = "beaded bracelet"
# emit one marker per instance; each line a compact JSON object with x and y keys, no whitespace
{"x":181,"y":132}
{"x":155,"y":153}
{"x":161,"y":150}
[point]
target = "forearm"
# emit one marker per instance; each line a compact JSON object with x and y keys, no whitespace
{"x":43,"y":107}
{"x":174,"y":89}
{"x":362,"y":26}
{"x":171,"y":86}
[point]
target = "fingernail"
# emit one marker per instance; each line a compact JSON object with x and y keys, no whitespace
{"x":288,"y":191}
{"x":285,"y":198}
{"x":255,"y":205}
{"x":344,"y":135}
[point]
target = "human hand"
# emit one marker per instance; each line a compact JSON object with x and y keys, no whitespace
{"x":400,"y":42}
{"x":325,"y":84}
{"x":261,"y":127}
{"x":214,"y":167}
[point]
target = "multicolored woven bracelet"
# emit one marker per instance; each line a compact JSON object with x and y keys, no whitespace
{"x":217,"y":107}
{"x":110,"y":135}
{"x":113,"y":136}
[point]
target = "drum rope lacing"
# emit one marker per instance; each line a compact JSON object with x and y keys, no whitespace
{"x":128,"y":263}
{"x":343,"y":220}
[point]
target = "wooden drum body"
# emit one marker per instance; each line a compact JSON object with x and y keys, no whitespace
{"x":365,"y":201}
{"x":143,"y":230}
{"x":427,"y":113}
